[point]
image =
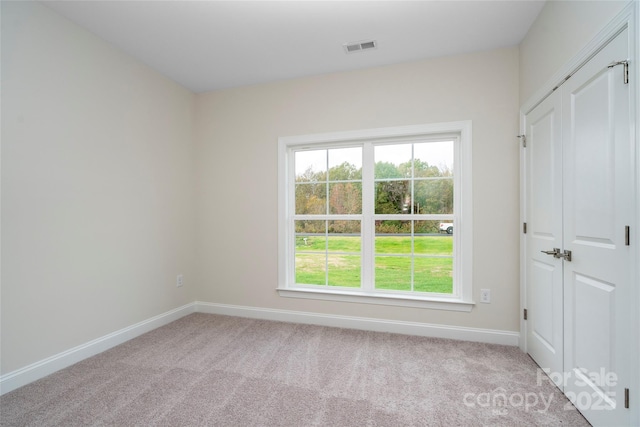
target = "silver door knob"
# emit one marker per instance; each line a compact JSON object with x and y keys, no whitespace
{"x":555,"y":252}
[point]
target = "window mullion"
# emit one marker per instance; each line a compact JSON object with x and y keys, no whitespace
{"x":290,"y":233}
{"x":413,"y":255}
{"x":326,"y":252}
{"x":413,"y":199}
{"x":368,"y":226}
{"x":326,"y":222}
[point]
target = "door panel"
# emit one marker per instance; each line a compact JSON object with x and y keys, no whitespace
{"x":594,"y":306}
{"x":593,"y":161}
{"x":597,"y":192}
{"x":544,"y":326}
{"x":544,"y":272}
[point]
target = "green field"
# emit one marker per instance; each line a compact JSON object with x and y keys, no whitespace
{"x":393,"y":262}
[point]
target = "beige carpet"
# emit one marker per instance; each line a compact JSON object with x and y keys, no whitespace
{"x":208,"y":370}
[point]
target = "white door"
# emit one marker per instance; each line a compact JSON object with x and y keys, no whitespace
{"x":598,"y":196}
{"x":579,"y":199}
{"x":544,"y":233}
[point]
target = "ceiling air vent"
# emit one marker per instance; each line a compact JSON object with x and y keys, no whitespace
{"x":359,"y":46}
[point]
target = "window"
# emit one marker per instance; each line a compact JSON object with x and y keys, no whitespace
{"x":380,"y":216}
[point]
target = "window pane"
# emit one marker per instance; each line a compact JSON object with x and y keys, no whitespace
{"x":434,"y":196}
{"x":310,"y":226}
{"x":344,"y":236}
{"x":392,"y":161}
{"x":311,"y":166}
{"x":311,"y":243}
{"x":310,"y":236}
{"x":445,"y":226}
{"x":393,"y":273}
{"x":426,"y":227}
{"x":345,"y":164}
{"x":344,"y":270}
{"x":344,"y":226}
{"x":311,"y":199}
{"x":393,"y":197}
{"x":433,"y":275}
{"x":344,"y":260}
{"x":393,"y":237}
{"x":345,"y":198}
{"x":433,"y":159}
{"x":428,"y":240}
{"x":311,"y":269}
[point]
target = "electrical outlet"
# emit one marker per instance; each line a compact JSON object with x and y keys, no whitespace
{"x":179,"y":280}
{"x":485,"y":295}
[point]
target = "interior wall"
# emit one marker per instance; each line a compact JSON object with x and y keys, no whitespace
{"x":97,"y":188}
{"x":237,"y":134}
{"x":561,"y":30}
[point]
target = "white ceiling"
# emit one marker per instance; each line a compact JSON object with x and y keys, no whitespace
{"x":209,"y":45}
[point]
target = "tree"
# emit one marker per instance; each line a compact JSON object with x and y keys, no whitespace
{"x":345,"y":172}
{"x":432,"y":192}
{"x":433,"y":196}
{"x":386,"y":170}
{"x":393,"y":197}
{"x":345,"y":198}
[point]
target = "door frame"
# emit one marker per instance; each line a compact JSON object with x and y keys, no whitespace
{"x":629,"y":18}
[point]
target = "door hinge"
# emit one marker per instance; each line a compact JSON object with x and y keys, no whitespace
{"x":524,"y":140}
{"x":626,"y":398}
{"x":525,"y":314}
{"x":625,"y":71}
{"x":627,"y":240}
{"x":524,"y":227}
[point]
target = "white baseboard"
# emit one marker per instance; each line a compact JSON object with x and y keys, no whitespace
{"x":41,"y":369}
{"x":490,"y":336}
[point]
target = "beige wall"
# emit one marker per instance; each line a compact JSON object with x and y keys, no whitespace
{"x":561,"y":30}
{"x":237,"y":137}
{"x":97,"y":188}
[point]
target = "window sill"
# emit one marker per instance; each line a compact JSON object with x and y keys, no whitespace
{"x":435,"y":303}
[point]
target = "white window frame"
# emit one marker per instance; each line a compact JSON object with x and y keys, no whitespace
{"x":461,"y":299}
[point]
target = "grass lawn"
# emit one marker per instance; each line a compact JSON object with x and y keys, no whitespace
{"x":430,"y":273}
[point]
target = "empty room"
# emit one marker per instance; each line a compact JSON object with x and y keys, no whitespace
{"x":320,"y":213}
